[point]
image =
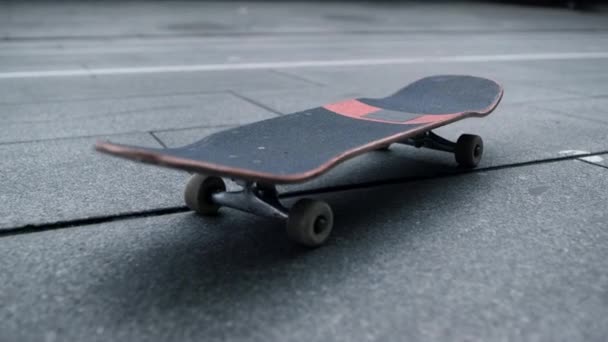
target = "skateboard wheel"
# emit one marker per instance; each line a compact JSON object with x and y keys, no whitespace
{"x":310,"y":222}
{"x":469,"y":149}
{"x":198,"y":193}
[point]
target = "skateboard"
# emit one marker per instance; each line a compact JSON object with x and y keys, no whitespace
{"x":297,"y":147}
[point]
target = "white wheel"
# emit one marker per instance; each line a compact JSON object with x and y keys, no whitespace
{"x":198,"y":193}
{"x":310,"y":222}
{"x":469,"y":149}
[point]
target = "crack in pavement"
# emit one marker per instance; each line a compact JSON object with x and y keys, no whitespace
{"x":33,"y":228}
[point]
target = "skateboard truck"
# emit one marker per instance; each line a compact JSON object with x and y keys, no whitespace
{"x":467,"y":150}
{"x":254,"y":198}
{"x":431,"y":140}
{"x":309,"y":222}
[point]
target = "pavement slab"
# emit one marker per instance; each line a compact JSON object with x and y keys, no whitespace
{"x":27,"y":122}
{"x":592,"y":108}
{"x":23,"y":20}
{"x":386,"y":78}
{"x":591,"y":87}
{"x":42,"y":90}
{"x":64,"y":180}
{"x":595,"y":69}
{"x":512,"y":254}
{"x":22,"y":55}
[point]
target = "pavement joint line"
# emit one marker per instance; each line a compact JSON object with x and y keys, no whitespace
{"x":70,"y":137}
{"x":570,"y":115}
{"x":158,"y":139}
{"x":297,"y":77}
{"x":91,"y":99}
{"x":102,"y":135}
{"x":574,"y":97}
{"x":405,"y":180}
{"x":104,"y":114}
{"x":571,"y":97}
{"x":34,"y":228}
{"x":255,"y":103}
{"x":177,"y":129}
{"x":306,"y":64}
{"x":581,"y":93}
{"x":263,"y":34}
{"x":592,"y":163}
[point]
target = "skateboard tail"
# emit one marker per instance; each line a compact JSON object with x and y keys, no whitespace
{"x":154,"y":157}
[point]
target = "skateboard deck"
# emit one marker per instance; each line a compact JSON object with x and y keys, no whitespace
{"x":299,"y":146}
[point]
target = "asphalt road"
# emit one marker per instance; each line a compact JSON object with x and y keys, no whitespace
{"x":96,"y":248}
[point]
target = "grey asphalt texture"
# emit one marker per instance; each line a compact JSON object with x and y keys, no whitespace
{"x":97,"y":248}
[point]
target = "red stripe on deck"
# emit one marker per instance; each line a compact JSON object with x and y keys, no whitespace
{"x":430,"y":118}
{"x":352,"y":108}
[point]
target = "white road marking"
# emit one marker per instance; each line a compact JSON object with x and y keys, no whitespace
{"x":304,"y":64}
{"x":593,"y":159}
{"x":573,"y":152}
{"x":590,"y":159}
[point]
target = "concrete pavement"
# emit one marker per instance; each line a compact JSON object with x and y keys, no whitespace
{"x":99,"y":248}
